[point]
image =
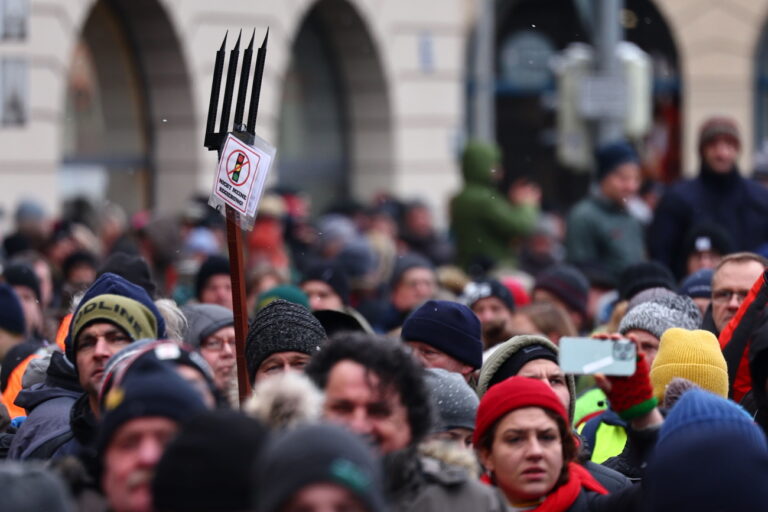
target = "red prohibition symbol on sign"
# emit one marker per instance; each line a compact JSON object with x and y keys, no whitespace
{"x":238,"y":168}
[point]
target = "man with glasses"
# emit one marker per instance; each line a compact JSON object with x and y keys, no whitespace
{"x":211,"y":332}
{"x":731,"y":282}
{"x":738,"y":282}
{"x":112,"y":314}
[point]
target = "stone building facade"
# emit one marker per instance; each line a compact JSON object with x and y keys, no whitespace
{"x":113,"y":94}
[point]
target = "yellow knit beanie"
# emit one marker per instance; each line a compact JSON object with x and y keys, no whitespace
{"x":691,"y":355}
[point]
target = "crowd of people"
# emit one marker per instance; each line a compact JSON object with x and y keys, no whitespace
{"x":394,"y":366}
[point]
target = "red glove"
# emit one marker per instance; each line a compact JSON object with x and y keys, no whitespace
{"x":632,"y":397}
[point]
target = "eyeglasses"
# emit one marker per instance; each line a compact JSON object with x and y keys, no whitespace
{"x":217,"y":344}
{"x":89,"y":341}
{"x":725,"y":296}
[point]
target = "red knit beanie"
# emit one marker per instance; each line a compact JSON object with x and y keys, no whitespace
{"x":514,"y":393}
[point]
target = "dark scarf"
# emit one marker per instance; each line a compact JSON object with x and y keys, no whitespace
{"x":719,"y":181}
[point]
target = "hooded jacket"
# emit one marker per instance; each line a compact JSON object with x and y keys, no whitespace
{"x":483,"y":222}
{"x":602,"y":232}
{"x":425,"y":484}
{"x":62,"y":423}
{"x":48,"y":407}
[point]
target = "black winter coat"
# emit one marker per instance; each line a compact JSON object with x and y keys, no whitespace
{"x":736,"y":204}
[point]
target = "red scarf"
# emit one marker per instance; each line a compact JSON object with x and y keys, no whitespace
{"x":565,"y":495}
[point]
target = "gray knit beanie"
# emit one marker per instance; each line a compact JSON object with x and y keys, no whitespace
{"x":454,"y":401}
{"x":661,"y":314}
{"x":649,"y":295}
{"x":510,"y":348}
{"x":281,"y":326}
{"x":29,"y":486}
{"x":204,"y":320}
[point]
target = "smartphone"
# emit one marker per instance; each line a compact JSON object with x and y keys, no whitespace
{"x":587,"y":356}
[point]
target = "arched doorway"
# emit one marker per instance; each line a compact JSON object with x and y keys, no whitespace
{"x":334,"y":123}
{"x":128,"y":110}
{"x":528,"y":34}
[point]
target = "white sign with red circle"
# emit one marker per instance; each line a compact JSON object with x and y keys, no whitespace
{"x":241,"y":174}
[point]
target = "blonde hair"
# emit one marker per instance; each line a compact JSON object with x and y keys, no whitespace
{"x":175,"y":321}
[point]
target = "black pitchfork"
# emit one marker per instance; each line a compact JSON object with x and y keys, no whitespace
{"x":214,"y":141}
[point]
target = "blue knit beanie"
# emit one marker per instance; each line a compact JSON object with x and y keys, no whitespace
{"x":613,"y":154}
{"x":449,"y":327}
{"x":710,"y":456}
{"x":698,"y":284}
{"x":11,"y":312}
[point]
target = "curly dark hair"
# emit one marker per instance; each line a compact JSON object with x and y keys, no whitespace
{"x":390,"y":362}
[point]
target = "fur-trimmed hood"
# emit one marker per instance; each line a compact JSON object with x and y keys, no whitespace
{"x":285,"y":401}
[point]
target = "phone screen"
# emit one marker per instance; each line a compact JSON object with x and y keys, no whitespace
{"x":587,"y":356}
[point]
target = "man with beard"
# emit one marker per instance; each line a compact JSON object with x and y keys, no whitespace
{"x":141,"y":415}
{"x":493,"y":304}
{"x":374,"y":388}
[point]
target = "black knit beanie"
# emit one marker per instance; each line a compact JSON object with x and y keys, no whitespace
{"x":296,"y":460}
{"x":209,"y":465}
{"x":568,"y":284}
{"x":11,"y":311}
{"x":405,"y":263}
{"x":212,"y":266}
{"x":641,"y":276}
{"x":132,"y":268}
{"x":19,"y":274}
{"x":333,"y":276}
{"x":516,"y":361}
{"x":612,"y":155}
{"x":281,"y":326}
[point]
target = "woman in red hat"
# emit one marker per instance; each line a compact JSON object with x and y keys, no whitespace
{"x":528,"y":450}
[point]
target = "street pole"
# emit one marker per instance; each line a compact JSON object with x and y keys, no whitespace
{"x":607,"y":37}
{"x":483,"y":92}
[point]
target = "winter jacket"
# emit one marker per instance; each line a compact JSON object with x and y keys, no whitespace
{"x":606,"y":436}
{"x":736,"y":204}
{"x":628,"y":500}
{"x":421,"y":484}
{"x":581,"y":493}
{"x":736,"y":336}
{"x":48,"y":405}
{"x":756,"y":401}
{"x":484,"y":224}
{"x":600,"y":231}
